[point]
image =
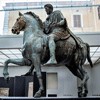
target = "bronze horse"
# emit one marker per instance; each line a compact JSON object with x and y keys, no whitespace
{"x":35,"y":51}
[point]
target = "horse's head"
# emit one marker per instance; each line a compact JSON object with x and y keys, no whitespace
{"x":19,"y":24}
{"x":27,"y":21}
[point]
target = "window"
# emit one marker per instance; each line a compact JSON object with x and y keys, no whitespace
{"x":98,"y":12}
{"x":77,"y":20}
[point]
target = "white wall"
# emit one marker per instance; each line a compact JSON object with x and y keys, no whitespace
{"x":66,"y":81}
{"x":96,"y":80}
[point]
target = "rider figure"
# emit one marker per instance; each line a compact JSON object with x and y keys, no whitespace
{"x":55,"y":27}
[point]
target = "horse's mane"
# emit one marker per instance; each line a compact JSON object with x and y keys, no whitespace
{"x":36,"y":17}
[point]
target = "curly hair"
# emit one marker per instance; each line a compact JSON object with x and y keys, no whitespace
{"x":49,"y":6}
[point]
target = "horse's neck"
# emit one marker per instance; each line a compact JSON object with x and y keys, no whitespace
{"x":27,"y":33}
{"x":31,"y":32}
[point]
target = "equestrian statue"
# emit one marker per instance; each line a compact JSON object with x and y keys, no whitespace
{"x":40,"y":47}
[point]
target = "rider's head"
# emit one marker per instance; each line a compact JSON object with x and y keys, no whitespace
{"x":48,"y":8}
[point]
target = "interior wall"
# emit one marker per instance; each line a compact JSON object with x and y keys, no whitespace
{"x":95,"y":80}
{"x":66,"y":83}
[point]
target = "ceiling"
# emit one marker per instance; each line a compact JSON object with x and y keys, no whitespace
{"x":10,"y":46}
{"x":9,"y":53}
{"x":16,"y":54}
{"x":95,"y":55}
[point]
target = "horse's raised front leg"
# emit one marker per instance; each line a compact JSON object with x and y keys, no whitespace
{"x":37,"y":65}
{"x":20,"y":62}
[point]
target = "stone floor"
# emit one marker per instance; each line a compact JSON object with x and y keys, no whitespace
{"x":58,"y":98}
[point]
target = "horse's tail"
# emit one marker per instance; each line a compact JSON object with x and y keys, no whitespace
{"x":88,"y":55}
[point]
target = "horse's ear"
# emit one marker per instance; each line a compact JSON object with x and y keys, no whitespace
{"x":20,"y":14}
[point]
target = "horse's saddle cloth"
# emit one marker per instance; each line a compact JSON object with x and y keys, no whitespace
{"x":66,"y":37}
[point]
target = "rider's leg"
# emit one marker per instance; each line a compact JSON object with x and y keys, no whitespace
{"x":52,"y":47}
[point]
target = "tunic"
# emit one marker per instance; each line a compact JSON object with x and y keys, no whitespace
{"x":58,"y":31}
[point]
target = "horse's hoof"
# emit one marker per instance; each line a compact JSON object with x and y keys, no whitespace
{"x":82,"y":94}
{"x":79,"y":94}
{"x":6,"y":76}
{"x":37,"y":95}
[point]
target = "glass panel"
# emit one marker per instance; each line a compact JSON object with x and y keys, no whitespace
{"x":6,"y":51}
{"x":10,"y":53}
{"x":96,"y":55}
{"x":3,"y":57}
{"x":15,"y":51}
{"x":92,"y":49}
